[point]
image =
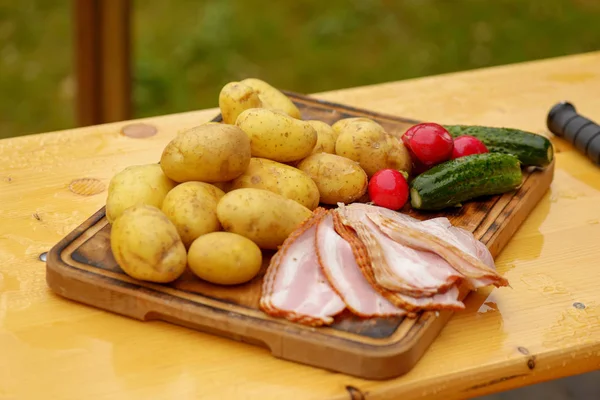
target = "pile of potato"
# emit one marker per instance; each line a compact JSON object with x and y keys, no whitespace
{"x":224,"y":191}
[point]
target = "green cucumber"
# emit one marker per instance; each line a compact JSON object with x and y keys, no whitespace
{"x":531,"y":149}
{"x":455,"y":181}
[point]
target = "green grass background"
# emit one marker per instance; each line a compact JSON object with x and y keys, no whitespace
{"x":185,"y":51}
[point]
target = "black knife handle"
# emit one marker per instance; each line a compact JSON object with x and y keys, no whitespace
{"x":583,"y":133}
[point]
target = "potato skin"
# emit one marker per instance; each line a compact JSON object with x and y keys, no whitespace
{"x":146,"y":245}
{"x":355,"y":123}
{"x":262,"y":216}
{"x":279,"y":178}
{"x":339,"y":179}
{"x":236,"y":97}
{"x":214,"y":189}
{"x":366,"y":142}
{"x":273,"y":98}
{"x":326,"y":137}
{"x":192,"y":208}
{"x":398,"y":157}
{"x":224,"y":258}
{"x":137,"y":184}
{"x":277,"y":136}
{"x":207,"y":153}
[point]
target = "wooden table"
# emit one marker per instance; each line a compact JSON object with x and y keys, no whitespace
{"x":546,"y":327}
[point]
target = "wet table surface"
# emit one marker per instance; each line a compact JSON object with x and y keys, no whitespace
{"x":547,"y":326}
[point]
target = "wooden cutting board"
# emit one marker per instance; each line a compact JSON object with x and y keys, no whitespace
{"x":81,"y":267}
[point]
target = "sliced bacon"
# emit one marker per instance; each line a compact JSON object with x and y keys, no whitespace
{"x":442,"y":228}
{"x":376,"y":263}
{"x":396,"y":267}
{"x":442,"y":301}
{"x":473,"y":246}
{"x":343,"y":273}
{"x":428,"y":236}
{"x":294,"y":286}
{"x":459,"y":237}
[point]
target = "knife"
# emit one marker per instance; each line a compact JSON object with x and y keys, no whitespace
{"x":583,"y":133}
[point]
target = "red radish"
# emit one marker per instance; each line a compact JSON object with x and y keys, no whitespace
{"x":467,"y":145}
{"x":409,"y":134}
{"x":431,"y":143}
{"x":388,"y":188}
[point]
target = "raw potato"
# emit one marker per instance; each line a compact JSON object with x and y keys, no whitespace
{"x":224,"y":258}
{"x":146,"y":245}
{"x":236,"y":97}
{"x":207,"y":153}
{"x":340,"y":125}
{"x":262,"y":216}
{"x":279,"y":178}
{"x":367,"y":143}
{"x":339,"y":179}
{"x":277,"y":136}
{"x":273,"y":98}
{"x":398,"y":157}
{"x":326,"y":137}
{"x":192,"y":208}
{"x":137,"y":184}
{"x":214,"y":189}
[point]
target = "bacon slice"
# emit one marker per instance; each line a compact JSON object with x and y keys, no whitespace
{"x":429,"y":236}
{"x":397,"y":267}
{"x":375,"y":262}
{"x":459,"y":237}
{"x":473,"y":246}
{"x":442,"y":301}
{"x":343,"y":273}
{"x":294,"y":286}
{"x":442,"y":228}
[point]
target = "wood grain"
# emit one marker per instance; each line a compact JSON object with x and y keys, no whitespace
{"x":81,"y":267}
{"x":55,"y":348}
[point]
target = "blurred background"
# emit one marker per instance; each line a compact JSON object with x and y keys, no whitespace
{"x":181,"y":52}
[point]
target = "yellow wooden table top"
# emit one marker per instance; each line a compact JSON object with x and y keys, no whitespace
{"x":54,"y":348}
